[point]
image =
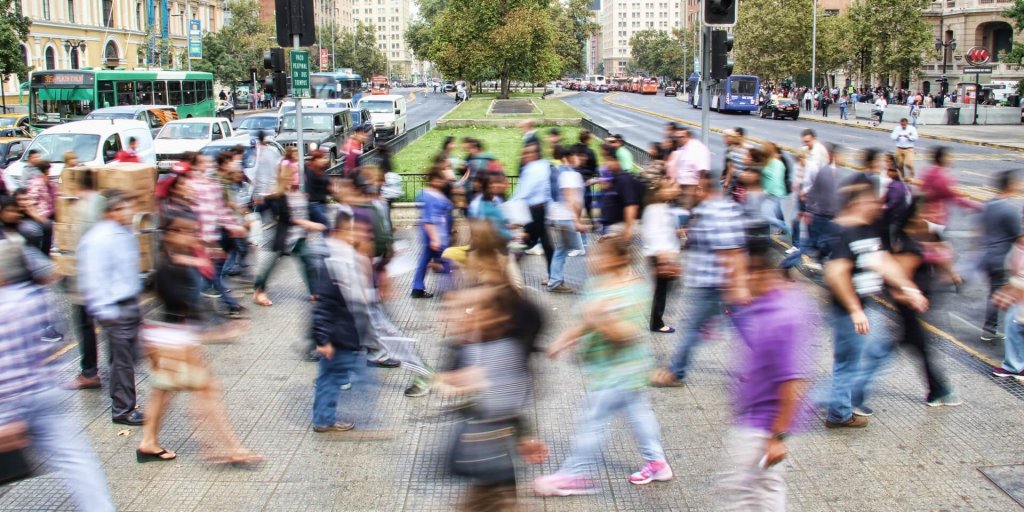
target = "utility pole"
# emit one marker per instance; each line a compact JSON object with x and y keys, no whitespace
{"x":705,"y":72}
{"x":298,"y":122}
{"x":814,"y":43}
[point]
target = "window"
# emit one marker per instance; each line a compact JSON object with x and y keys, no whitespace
{"x":51,"y":58}
{"x":24,"y":55}
{"x":140,"y":24}
{"x":174,"y":92}
{"x":160,"y":93}
{"x":71,"y":11}
{"x":110,"y":54}
{"x":108,"y":13}
{"x":125,"y":93}
{"x":144,"y":90}
{"x":188,"y":90}
{"x":105,"y":93}
{"x":46,"y":10}
{"x":110,"y":148}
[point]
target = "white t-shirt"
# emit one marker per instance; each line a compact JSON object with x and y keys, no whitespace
{"x":567,"y":179}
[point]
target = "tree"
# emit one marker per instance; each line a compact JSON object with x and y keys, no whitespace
{"x":13,"y":30}
{"x":891,"y":37}
{"x":1016,"y":15}
{"x":575,"y":25}
{"x":355,"y":49}
{"x":230,"y":52}
{"x":658,"y":54}
{"x":773,"y":38}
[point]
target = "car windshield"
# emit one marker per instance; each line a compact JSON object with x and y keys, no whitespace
{"x":378,"y":107}
{"x":7,"y":121}
{"x":194,"y":131}
{"x":310,"y":122}
{"x":783,"y":103}
{"x":357,"y":118}
{"x":110,"y":115}
{"x":258,"y":123}
{"x":54,"y":145}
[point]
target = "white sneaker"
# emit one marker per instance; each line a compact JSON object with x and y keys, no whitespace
{"x":536,"y":250}
{"x":577,"y":252}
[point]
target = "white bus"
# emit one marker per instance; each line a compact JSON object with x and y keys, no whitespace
{"x":1001,"y":89}
{"x":596,"y":80}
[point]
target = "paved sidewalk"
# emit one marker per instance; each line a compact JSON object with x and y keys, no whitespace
{"x":911,"y":457}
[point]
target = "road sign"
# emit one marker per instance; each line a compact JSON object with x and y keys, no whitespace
{"x":977,"y":70}
{"x":300,"y":73}
{"x":195,"y":40}
{"x":978,"y":55}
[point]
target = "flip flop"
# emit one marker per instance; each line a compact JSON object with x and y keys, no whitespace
{"x":246,"y":461}
{"x":142,"y":457}
{"x":262,"y":300}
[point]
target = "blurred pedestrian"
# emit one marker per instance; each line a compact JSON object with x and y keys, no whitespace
{"x":218,"y":226}
{"x":1001,"y":225}
{"x":660,"y":230}
{"x":129,"y":154}
{"x":435,"y":232}
{"x":616,"y":360}
{"x":89,"y":209}
{"x":939,"y":189}
{"x":620,"y":196}
{"x":563,"y":215}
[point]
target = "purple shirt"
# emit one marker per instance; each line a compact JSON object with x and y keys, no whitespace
{"x":776,"y":329}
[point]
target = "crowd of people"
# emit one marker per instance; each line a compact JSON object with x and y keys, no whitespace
{"x":820,"y":99}
{"x":875,"y":235}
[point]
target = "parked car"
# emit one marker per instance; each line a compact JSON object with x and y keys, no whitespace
{"x":323,"y":128}
{"x":602,"y":88}
{"x":183,"y":135}
{"x":14,"y":125}
{"x":267,"y":123}
{"x":156,"y":116}
{"x":388,"y":113}
{"x":448,"y":86}
{"x":11,"y":149}
{"x":248,"y":157}
{"x":361,"y":117}
{"x":780,"y":108}
{"x":226,"y":110}
{"x":670,"y":90}
{"x":95,"y":142}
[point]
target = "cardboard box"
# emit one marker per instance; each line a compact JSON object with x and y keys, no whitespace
{"x":65,"y":235}
{"x":146,"y":262}
{"x":138,"y":179}
{"x":145,"y":203}
{"x":66,"y":264}
{"x":67,"y":184}
{"x":64,"y":207}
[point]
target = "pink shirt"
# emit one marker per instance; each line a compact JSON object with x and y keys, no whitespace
{"x":688,"y":161}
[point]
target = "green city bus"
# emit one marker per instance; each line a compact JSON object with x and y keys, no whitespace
{"x":69,"y":95}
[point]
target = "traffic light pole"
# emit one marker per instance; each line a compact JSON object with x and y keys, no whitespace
{"x":298,"y":126}
{"x":705,"y":77}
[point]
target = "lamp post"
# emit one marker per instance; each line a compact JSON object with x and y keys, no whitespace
{"x":74,"y":45}
{"x":814,"y":42}
{"x":941,"y":45}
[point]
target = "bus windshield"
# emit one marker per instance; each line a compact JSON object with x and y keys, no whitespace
{"x":60,"y":104}
{"x":54,"y":145}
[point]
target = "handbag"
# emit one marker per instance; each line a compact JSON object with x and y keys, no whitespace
{"x":483,"y":449}
{"x":176,"y":357}
{"x":667,"y":266}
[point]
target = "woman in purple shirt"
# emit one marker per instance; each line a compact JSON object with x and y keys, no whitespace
{"x":434,"y":229}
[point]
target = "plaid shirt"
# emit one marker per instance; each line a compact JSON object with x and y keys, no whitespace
{"x":210,"y":209}
{"x":718,"y":225}
{"x":23,"y":367}
{"x":41,"y":195}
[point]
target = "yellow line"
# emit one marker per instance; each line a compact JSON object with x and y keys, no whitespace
{"x":928,"y":326}
{"x":791,"y":149}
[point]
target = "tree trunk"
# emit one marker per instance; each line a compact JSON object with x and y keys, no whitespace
{"x":503,"y":95}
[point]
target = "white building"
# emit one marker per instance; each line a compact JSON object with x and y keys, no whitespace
{"x":390,"y":19}
{"x":620,"y":19}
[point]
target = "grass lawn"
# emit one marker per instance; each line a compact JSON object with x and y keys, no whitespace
{"x":504,"y":143}
{"x":476,"y":108}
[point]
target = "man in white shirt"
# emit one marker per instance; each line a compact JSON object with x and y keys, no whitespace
{"x":905,"y":136}
{"x":818,"y":153}
{"x":563,"y":216}
{"x":686,"y":163}
{"x":808,"y":101}
{"x":880,"y":105}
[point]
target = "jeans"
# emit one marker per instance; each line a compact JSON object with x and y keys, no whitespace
{"x":123,"y":339}
{"x":842,"y":112}
{"x":332,"y":374}
{"x":563,"y":234}
{"x":707,"y":304}
{"x":602,"y":406}
{"x":426,"y":256}
{"x":318,"y":213}
{"x":745,"y":486}
{"x":771,"y":210}
{"x":818,"y":240}
{"x":86,"y":340}
{"x":217,"y":283}
{"x":848,"y":377}
{"x":56,"y":436}
{"x":1013,"y":345}
{"x":306,"y":259}
{"x":996,"y":279}
{"x":236,"y":257}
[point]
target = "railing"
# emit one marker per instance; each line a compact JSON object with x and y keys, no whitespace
{"x":413,"y":184}
{"x":640,"y":155}
{"x":394,"y":145}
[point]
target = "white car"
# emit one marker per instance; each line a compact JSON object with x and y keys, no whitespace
{"x":93,"y":142}
{"x":184,"y":135}
{"x":289,"y":105}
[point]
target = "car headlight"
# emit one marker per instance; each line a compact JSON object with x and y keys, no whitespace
{"x":389,"y":124}
{"x":312,"y":146}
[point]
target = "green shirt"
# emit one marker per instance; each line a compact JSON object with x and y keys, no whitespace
{"x":609,"y":365}
{"x":773,"y":178}
{"x":625,"y":159}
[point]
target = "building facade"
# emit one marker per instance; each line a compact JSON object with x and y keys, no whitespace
{"x":969,"y":24}
{"x":621,"y":19}
{"x":390,"y":19}
{"x":73,"y":34}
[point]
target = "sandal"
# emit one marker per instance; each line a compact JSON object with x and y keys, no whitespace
{"x":244,"y":460}
{"x":142,"y":457}
{"x":663,"y":378}
{"x":261,"y":299}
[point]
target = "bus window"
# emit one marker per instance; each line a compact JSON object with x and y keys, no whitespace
{"x":125,"y":93}
{"x":144,"y":89}
{"x":174,"y":92}
{"x":105,"y":93}
{"x":201,"y":92}
{"x":188,"y":91}
{"x":159,"y":92}
{"x":743,"y":86}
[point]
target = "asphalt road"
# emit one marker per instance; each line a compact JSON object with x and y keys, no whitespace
{"x":957,"y":316}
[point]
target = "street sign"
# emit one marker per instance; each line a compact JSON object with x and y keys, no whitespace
{"x":977,"y":56}
{"x":977,"y":71}
{"x":300,"y":73}
{"x":195,"y":40}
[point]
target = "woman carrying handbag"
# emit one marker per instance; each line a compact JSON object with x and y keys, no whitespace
{"x":660,"y":232}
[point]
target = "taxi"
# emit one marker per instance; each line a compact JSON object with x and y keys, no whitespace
{"x":11,"y":149}
{"x":14,"y":125}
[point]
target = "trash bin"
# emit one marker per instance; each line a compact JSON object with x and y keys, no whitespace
{"x":953,"y":115}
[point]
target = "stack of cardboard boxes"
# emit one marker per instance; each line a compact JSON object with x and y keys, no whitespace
{"x":138,"y":180}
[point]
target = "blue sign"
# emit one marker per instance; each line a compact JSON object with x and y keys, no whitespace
{"x":195,"y":40}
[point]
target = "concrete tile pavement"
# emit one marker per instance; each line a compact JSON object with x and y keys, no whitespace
{"x":911,"y":457}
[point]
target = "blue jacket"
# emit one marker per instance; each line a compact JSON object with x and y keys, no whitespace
{"x":333,"y":322}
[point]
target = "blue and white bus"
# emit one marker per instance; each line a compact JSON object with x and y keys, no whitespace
{"x":737,"y":93}
{"x":342,"y":83}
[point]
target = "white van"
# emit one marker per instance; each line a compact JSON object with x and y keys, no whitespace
{"x":93,"y":142}
{"x":289,"y":105}
{"x":388,"y":113}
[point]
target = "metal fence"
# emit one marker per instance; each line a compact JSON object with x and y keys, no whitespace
{"x":413,"y":184}
{"x":640,"y":155}
{"x":373,"y":157}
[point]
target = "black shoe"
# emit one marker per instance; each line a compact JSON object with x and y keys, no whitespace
{"x":134,"y":419}
{"x":385,"y":363}
{"x":420,"y":294}
{"x":237,"y":312}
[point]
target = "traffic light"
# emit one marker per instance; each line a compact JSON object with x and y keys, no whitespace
{"x":295,"y":17}
{"x":280,"y":80}
{"x":721,"y":63}
{"x":720,"y":12}
{"x":273,"y":59}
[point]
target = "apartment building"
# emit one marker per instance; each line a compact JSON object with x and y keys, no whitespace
{"x":621,"y":19}
{"x":390,"y":19}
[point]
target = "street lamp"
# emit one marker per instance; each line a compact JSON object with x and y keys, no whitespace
{"x":76,"y":45}
{"x":944,"y":47}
